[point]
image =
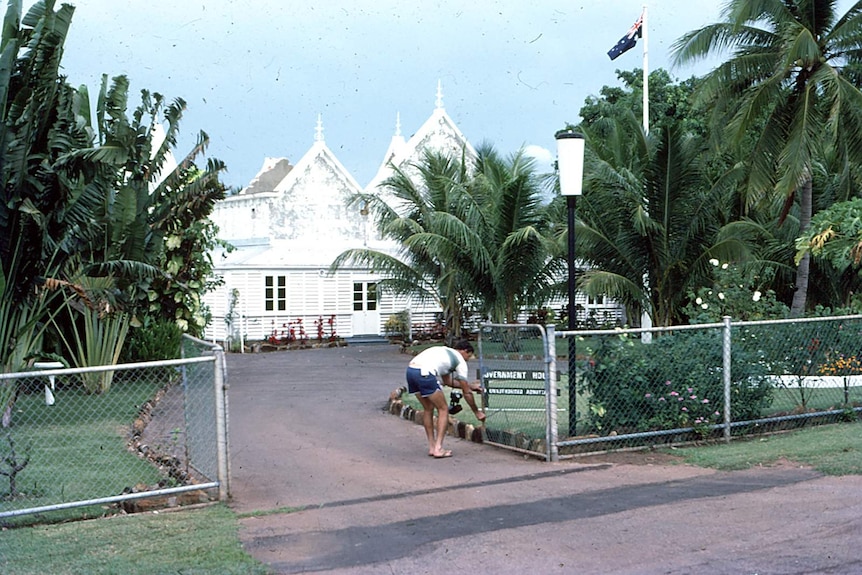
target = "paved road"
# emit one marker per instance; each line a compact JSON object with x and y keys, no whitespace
{"x":308,"y":430}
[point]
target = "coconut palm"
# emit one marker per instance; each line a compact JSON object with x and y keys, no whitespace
{"x":470,"y":235}
{"x":516,"y":235}
{"x":418,"y":210}
{"x":647,"y":223}
{"x":784,"y":86}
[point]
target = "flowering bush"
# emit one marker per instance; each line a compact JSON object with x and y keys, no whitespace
{"x":322,"y":325}
{"x":624,"y":380}
{"x":672,"y":408}
{"x":289,"y":333}
{"x":841,"y":365}
{"x":735,"y":293}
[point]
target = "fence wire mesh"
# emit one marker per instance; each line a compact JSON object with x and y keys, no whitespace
{"x":636,"y":388}
{"x":702,"y":382}
{"x":514,"y":371}
{"x":77,"y":441}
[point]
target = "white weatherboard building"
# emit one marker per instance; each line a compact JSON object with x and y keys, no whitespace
{"x":290,"y":223}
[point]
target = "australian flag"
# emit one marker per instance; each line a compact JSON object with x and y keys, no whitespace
{"x":628,"y":41}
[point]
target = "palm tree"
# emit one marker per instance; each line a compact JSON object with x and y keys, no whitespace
{"x":469,"y":238}
{"x":419,"y":210}
{"x":516,"y":235}
{"x":648,"y":212}
{"x":785,"y":78}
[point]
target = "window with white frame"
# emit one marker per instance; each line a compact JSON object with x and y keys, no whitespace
{"x":364,"y":296}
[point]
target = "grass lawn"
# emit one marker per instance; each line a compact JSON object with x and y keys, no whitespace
{"x":192,"y":541}
{"x":830,"y":449}
{"x":76,"y":450}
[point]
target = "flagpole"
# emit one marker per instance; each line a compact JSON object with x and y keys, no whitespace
{"x":645,"y":35}
{"x":646,"y":319}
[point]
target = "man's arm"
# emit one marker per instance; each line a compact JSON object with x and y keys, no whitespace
{"x":467,"y":389}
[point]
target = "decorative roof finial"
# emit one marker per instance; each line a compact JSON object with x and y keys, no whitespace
{"x":439,"y":94}
{"x":397,"y":123}
{"x":318,"y":132}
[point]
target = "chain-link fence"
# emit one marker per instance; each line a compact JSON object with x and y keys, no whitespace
{"x":78,"y":442}
{"x":516,"y":371}
{"x":635,"y":388}
{"x":711,"y":381}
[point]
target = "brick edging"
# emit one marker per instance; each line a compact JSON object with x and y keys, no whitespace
{"x":457,"y":428}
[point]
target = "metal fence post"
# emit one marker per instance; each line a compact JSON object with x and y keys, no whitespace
{"x":551,"y":390}
{"x":220,"y":389}
{"x":726,"y":374}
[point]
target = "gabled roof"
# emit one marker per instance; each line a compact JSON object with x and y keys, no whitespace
{"x":318,"y":152}
{"x":394,"y":154}
{"x":271,"y":173}
{"x":439,"y":132}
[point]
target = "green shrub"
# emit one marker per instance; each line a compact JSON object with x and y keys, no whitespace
{"x":675,"y":381}
{"x":155,"y":340}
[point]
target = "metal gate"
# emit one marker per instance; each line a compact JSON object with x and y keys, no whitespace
{"x":518,"y":372}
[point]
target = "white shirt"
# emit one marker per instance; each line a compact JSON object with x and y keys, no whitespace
{"x":439,"y":361}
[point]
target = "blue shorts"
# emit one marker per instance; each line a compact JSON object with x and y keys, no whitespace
{"x":424,"y":385}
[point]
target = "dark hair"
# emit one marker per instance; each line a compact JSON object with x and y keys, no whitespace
{"x":463,"y":344}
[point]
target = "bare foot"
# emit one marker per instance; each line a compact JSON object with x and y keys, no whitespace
{"x":442,"y":454}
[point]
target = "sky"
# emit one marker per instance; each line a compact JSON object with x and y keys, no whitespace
{"x":256,"y":73}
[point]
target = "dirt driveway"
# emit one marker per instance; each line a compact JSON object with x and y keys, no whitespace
{"x":308,"y":430}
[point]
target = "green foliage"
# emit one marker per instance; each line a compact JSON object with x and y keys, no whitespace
{"x":649,"y":217}
{"x":154,"y":340}
{"x":835,"y":236}
{"x":681,"y":407}
{"x":799,"y":350}
{"x":783,"y":94}
{"x":735,"y":292}
{"x":39,"y":123}
{"x":671,"y":104}
{"x":176,"y":295}
{"x":398,"y":324}
{"x":626,"y":379}
{"x":91,"y":194}
{"x":154,"y":233}
{"x":99,"y":342}
{"x":472,"y":240}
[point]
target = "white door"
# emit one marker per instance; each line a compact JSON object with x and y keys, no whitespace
{"x":366,"y":318}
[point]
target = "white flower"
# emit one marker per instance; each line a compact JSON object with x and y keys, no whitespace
{"x":720,"y":295}
{"x":698,"y":301}
{"x":756,"y":296}
{"x":724,"y":266}
{"x":714,"y":262}
{"x":704,"y":305}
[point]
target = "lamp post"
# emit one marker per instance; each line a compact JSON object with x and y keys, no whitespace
{"x":570,"y":166}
